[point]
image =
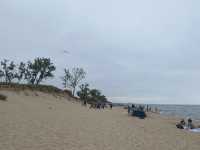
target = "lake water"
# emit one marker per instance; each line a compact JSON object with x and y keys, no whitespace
{"x":183,"y":111}
{"x":192,"y":111}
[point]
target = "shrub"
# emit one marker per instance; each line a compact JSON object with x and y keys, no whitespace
{"x":3,"y":97}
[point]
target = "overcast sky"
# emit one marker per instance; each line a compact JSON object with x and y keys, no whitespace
{"x":144,"y":51}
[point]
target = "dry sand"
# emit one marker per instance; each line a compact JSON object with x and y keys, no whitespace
{"x":43,"y":122}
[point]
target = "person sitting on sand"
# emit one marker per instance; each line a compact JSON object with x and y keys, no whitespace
{"x":183,"y":122}
{"x":181,"y":125}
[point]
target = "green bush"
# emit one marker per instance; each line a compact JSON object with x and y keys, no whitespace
{"x":3,"y":97}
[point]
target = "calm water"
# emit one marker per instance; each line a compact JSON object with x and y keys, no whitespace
{"x":184,"y":111}
{"x":192,"y":111}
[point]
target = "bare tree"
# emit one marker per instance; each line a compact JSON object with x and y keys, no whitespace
{"x":66,"y":78}
{"x":21,"y":72}
{"x":73,"y":78}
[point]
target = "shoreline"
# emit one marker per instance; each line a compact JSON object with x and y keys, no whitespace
{"x":179,"y":111}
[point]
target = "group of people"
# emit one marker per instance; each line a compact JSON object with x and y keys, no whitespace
{"x":183,"y":125}
{"x":98,"y":105}
{"x":150,"y":109}
{"x":146,"y":108}
{"x":137,"y":111}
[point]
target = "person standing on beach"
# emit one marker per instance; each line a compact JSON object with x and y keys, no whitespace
{"x":190,"y":125}
{"x":129,"y":109}
{"x":85,"y":103}
{"x":133,"y":106}
{"x":103,"y":105}
{"x":111,"y":105}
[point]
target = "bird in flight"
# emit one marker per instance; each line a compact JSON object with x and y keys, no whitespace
{"x":65,"y":52}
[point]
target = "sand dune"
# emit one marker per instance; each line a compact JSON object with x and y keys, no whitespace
{"x":38,"y":121}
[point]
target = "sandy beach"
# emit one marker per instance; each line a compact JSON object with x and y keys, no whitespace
{"x":39,"y":121}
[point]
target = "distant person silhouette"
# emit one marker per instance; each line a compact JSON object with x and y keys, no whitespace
{"x":190,"y":125}
{"x":129,"y":109}
{"x":85,"y":103}
{"x":111,"y":105}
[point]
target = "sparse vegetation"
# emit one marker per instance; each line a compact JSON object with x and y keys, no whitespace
{"x":14,"y":76}
{"x":20,"y":75}
{"x":38,"y":70}
{"x":90,"y":95}
{"x":41,"y":88}
{"x":8,"y":70}
{"x":31,"y":72}
{"x":72,"y":78}
{"x":84,"y":92}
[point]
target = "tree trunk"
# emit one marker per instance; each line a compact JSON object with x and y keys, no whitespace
{"x":73,"y":91}
{"x":6,"y":77}
{"x":38,"y":82}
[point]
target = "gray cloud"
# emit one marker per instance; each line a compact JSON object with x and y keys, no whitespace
{"x":139,"y":51}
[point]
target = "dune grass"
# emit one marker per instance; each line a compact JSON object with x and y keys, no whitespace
{"x":40,"y":88}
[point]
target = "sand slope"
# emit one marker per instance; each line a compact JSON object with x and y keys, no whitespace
{"x":38,"y":121}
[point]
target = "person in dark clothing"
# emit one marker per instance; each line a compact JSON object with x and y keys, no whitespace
{"x":103,"y":105}
{"x":85,"y":103}
{"x":133,"y":106}
{"x":181,"y":125}
{"x":98,"y":106}
{"x":190,"y":125}
{"x":111,"y":105}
